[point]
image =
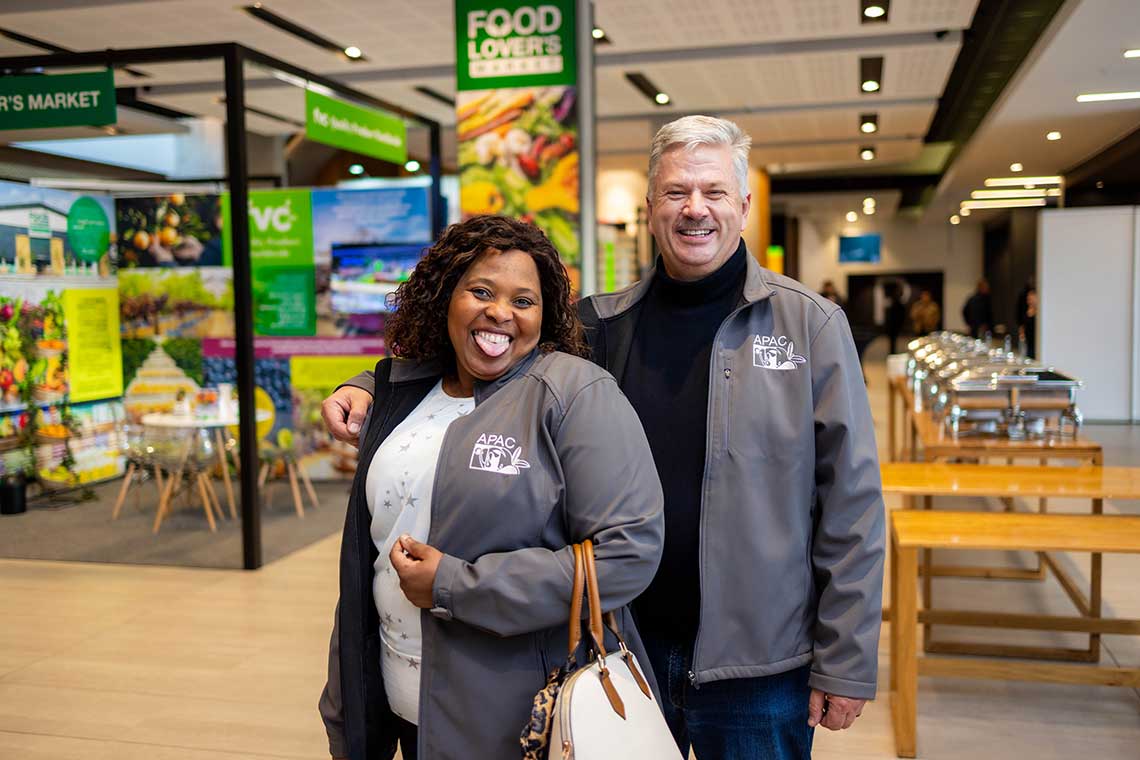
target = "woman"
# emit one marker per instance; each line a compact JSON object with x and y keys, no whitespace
{"x":492,"y":446}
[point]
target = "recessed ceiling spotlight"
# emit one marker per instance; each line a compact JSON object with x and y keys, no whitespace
{"x":868,"y":201}
{"x":1053,"y":136}
{"x":852,"y":216}
{"x":356,"y":169}
{"x":867,"y":154}
{"x":412,"y":165}
{"x":1100,"y":97}
{"x":871,"y":74}
{"x":869,"y":123}
{"x":965,"y":212}
{"x":1100,"y":184}
{"x":1015,"y":167}
{"x":875,"y":11}
{"x":598,"y":33}
{"x":955,"y":219}
{"x":647,"y":88}
{"x":265,"y":15}
{"x":869,"y":210}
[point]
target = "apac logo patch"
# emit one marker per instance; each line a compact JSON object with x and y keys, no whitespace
{"x":498,"y":453}
{"x":775,"y":352}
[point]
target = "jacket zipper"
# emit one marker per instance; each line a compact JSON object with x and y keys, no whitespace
{"x":424,"y":644}
{"x":694,"y":679}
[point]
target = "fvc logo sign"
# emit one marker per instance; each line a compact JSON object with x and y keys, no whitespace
{"x":514,"y":44}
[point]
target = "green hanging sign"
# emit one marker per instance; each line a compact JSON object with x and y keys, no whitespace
{"x":514,"y":43}
{"x":367,"y":131}
{"x":57,"y":100}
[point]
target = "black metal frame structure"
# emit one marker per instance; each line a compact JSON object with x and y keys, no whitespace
{"x":234,"y":57}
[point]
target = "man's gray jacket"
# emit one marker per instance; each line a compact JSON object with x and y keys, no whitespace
{"x":792,"y":520}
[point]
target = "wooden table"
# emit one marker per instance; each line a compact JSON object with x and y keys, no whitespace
{"x":1005,"y":482}
{"x":913,"y":531}
{"x":923,"y":433}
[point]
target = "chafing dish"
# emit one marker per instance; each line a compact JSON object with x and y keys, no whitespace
{"x":1016,"y":400}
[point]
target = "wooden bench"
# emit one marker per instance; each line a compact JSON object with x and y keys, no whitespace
{"x":912,"y":480}
{"x":916,"y":530}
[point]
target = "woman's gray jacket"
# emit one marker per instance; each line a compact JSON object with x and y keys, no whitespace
{"x":552,"y":454}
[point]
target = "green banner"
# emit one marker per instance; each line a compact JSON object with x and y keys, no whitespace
{"x":281,"y":252}
{"x":514,"y":43}
{"x":281,"y":257}
{"x":362,"y":130}
{"x":58,"y":100}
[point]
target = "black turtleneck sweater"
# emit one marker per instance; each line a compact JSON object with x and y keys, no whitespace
{"x":667,"y":381}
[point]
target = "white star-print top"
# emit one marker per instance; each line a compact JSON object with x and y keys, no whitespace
{"x":398,"y":490}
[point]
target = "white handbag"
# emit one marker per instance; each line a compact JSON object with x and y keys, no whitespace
{"x":603,"y":709}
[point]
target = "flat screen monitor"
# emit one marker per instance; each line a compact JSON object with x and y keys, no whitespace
{"x":862,"y":249}
{"x":365,"y":274}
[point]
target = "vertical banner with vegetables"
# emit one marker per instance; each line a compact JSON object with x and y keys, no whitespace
{"x":516,"y":117}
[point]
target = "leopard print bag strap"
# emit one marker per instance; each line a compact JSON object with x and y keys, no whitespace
{"x":536,"y":733}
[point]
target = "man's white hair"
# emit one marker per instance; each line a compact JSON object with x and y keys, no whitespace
{"x":692,"y":131}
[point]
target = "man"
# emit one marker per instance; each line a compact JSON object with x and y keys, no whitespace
{"x":763,"y":620}
{"x":925,"y":314}
{"x":978,"y":312}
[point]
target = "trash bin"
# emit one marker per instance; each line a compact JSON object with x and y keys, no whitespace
{"x":13,"y":495}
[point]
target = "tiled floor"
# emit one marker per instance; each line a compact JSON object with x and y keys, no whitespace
{"x":113,"y":662}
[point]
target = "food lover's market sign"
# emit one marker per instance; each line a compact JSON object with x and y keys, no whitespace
{"x":57,"y":100}
{"x":502,"y":44}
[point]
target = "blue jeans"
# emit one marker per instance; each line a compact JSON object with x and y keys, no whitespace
{"x":762,"y":718}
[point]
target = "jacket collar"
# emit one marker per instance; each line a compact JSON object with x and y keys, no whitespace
{"x":411,"y":370}
{"x":756,"y":288}
{"x":756,"y":285}
{"x":485,"y":389}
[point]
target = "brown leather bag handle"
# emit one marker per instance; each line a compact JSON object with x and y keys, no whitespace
{"x":594,"y":597}
{"x":576,"y":601}
{"x":596,"y":618}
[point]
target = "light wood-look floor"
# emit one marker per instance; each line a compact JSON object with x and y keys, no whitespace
{"x":109,"y":662}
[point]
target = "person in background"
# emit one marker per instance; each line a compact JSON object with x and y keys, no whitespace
{"x":830,"y":292}
{"x":894,"y":318}
{"x":1027,"y":323}
{"x":978,"y":311}
{"x":925,"y":314}
{"x":492,"y":447}
{"x":763,"y":620}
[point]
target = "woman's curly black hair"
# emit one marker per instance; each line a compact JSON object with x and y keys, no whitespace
{"x":418,"y":330}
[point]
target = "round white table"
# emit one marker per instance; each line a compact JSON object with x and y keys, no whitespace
{"x":206,"y":489}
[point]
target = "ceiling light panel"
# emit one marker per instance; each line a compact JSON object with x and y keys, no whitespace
{"x":776,"y":81}
{"x":1004,"y":203}
{"x":1021,"y":181}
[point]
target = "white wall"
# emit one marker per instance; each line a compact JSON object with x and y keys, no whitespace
{"x":620,"y":193}
{"x":907,"y":246}
{"x":1088,"y":274}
